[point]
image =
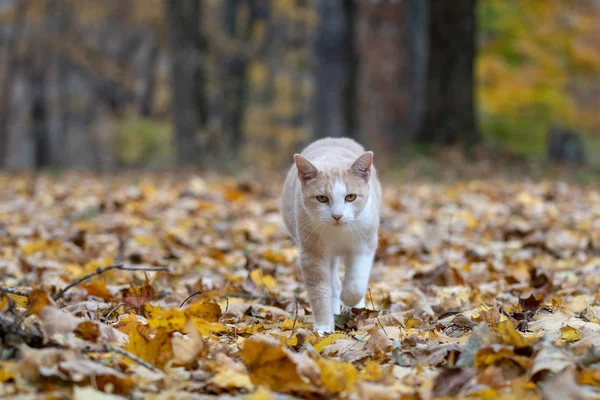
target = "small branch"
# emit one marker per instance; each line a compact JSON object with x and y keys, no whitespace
{"x":112,"y":349}
{"x":377,"y":316}
{"x":34,"y":338}
{"x":111,"y":311}
{"x":189,"y":297}
{"x":295,"y":320}
{"x":102,"y":270}
{"x":13,"y":291}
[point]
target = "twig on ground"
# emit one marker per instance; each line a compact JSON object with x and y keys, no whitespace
{"x":111,"y":311}
{"x":112,"y":349}
{"x":295,"y":319}
{"x":226,"y":305}
{"x":377,"y":316}
{"x":189,"y":297}
{"x":33,"y":338}
{"x":102,"y":270}
{"x":13,"y":291}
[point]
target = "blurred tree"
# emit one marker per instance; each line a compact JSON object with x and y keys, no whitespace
{"x":335,"y":70}
{"x":188,"y":54}
{"x":240,"y":20}
{"x":450,"y":110}
{"x":392,"y":48}
{"x":11,"y":66}
{"x":538,"y":66}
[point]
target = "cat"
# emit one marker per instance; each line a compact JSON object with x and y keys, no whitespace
{"x":330,"y":206}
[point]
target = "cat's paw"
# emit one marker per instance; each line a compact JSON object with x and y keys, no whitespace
{"x":352,"y":296}
{"x":323,"y":330}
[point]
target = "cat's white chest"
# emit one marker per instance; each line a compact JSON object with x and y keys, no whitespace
{"x":345,"y":239}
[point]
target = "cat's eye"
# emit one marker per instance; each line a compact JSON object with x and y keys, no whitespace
{"x":350,"y":198}
{"x":322,"y":199}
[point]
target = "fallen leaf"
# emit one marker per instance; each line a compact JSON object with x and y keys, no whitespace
{"x":273,"y":366}
{"x":38,"y":300}
{"x":337,"y":377}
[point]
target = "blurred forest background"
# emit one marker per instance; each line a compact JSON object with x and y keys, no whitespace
{"x":108,"y":84}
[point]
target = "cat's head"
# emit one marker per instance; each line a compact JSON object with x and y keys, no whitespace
{"x":335,"y":195}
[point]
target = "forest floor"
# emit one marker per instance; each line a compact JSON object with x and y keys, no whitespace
{"x":480,"y":290}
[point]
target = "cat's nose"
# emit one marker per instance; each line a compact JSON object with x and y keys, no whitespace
{"x":337,"y":216}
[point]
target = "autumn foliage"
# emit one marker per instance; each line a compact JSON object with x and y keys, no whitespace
{"x":479,"y":290}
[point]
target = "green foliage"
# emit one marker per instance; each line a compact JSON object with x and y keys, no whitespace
{"x":535,"y":62}
{"x":144,"y":142}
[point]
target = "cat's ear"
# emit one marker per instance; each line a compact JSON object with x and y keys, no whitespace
{"x":362,"y":165}
{"x":306,"y":170}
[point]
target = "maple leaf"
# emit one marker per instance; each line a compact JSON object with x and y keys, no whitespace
{"x":275,"y":367}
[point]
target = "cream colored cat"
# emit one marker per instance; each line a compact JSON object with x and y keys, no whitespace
{"x":331,"y":202}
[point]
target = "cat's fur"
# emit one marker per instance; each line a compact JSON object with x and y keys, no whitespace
{"x":333,"y":167}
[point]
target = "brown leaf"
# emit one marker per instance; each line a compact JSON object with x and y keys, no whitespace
{"x":137,"y":296}
{"x":275,"y":367}
{"x":88,"y":330}
{"x":530,"y":303}
{"x":450,"y":381}
{"x":98,"y":289}
{"x":38,"y":300}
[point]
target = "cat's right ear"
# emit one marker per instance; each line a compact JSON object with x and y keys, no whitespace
{"x":306,"y":171}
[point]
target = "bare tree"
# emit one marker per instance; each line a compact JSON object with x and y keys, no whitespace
{"x":450,"y":109}
{"x":8,"y":79}
{"x":336,"y":61}
{"x":188,"y":54}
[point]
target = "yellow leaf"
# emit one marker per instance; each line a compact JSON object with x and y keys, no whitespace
{"x":206,"y":310}
{"x":203,"y":313}
{"x":7,"y":371}
{"x":155,"y":349}
{"x":579,"y":303}
{"x":337,"y":377}
{"x":410,"y":322}
{"x":262,"y":280}
{"x":511,"y":336}
{"x":275,"y":257}
{"x":372,"y":371}
{"x":95,"y":264}
{"x":587,"y":376}
{"x":271,"y":365}
{"x":206,"y":328}
{"x":228,"y":378}
{"x":569,"y":334}
{"x":288,"y":324}
{"x":38,"y":300}
{"x":327,"y":340}
{"x":4,"y":304}
{"x":145,"y":240}
{"x":260,"y":394}
{"x":40,"y":245}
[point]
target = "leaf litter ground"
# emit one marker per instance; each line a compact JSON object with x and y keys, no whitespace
{"x":480,"y":290}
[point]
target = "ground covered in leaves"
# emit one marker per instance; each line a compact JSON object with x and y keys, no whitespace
{"x":480,"y":290}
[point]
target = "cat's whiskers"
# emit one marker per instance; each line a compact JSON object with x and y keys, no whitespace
{"x":310,"y":237}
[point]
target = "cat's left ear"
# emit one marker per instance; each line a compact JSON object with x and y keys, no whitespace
{"x":362,"y":165}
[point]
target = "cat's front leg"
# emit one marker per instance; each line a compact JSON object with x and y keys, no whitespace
{"x":356,"y":278}
{"x":336,"y":285}
{"x":316,"y":272}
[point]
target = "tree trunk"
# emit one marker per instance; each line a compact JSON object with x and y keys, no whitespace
{"x":187,"y":49}
{"x":147,"y":97}
{"x":235,"y":67}
{"x":39,"y":113}
{"x":335,"y":70}
{"x":450,"y":110}
{"x":8,"y":80}
{"x":392,"y":44}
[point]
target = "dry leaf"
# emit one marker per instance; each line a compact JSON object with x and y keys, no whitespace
{"x":273,"y":366}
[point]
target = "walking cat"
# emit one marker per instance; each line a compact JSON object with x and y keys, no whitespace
{"x":330,"y":206}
